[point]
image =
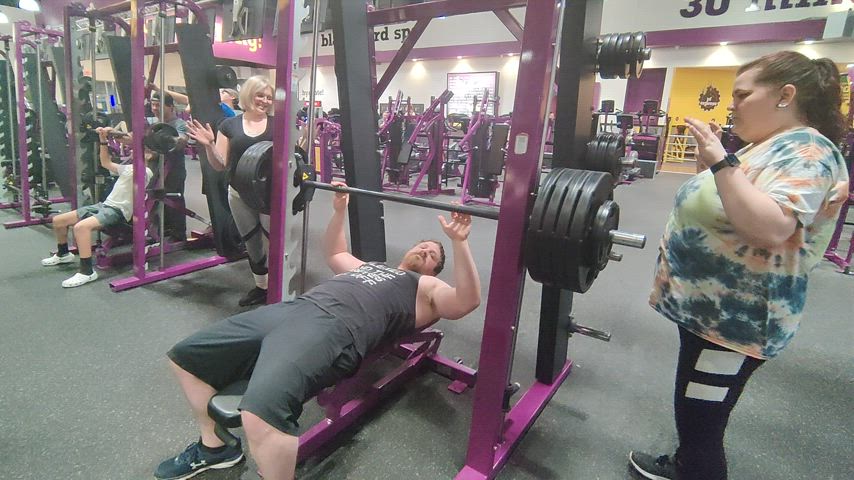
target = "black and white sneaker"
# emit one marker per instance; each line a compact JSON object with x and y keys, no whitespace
{"x":662,"y":467}
{"x":256,"y":296}
{"x":193,"y":461}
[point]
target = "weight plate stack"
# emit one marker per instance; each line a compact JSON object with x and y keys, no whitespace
{"x":561,"y":249}
{"x":253,"y":176}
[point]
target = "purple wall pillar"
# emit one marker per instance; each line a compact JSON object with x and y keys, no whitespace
{"x":649,"y":87}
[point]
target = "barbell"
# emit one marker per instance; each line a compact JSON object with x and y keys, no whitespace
{"x":570,"y":233}
{"x":161,"y":138}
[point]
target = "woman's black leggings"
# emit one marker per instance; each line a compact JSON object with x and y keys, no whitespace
{"x":709,"y":381}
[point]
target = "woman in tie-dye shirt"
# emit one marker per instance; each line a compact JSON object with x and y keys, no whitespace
{"x":739,"y":245}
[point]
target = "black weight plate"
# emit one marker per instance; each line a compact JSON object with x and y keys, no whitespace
{"x":631,"y":55}
{"x":539,"y":233}
{"x":532,"y":236}
{"x":631,"y":48}
{"x":591,"y":159}
{"x":603,"y":193}
{"x":594,"y":192}
{"x":606,"y":57}
{"x":618,"y":152}
{"x":597,"y":161}
{"x":607,"y":153}
{"x":603,"y":221}
{"x":252,"y":176}
{"x":578,"y":237}
{"x":612,"y":157}
{"x":607,"y":219}
{"x":622,"y":56}
{"x":612,"y":61}
{"x":605,"y":165}
{"x":638,"y":53}
{"x":544,"y":192}
{"x":551,"y":239}
{"x":600,"y":55}
{"x":226,"y":77}
{"x":589,"y":152}
{"x":566,"y":256}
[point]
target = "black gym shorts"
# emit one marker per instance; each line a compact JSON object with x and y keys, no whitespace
{"x":289,"y":352}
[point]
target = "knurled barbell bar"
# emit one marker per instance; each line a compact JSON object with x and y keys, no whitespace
{"x":571,"y":228}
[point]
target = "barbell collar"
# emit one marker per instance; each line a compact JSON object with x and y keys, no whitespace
{"x":590,"y":332}
{"x":479,"y":212}
{"x":627,"y":239}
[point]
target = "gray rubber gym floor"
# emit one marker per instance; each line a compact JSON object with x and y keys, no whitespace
{"x":85,"y":391}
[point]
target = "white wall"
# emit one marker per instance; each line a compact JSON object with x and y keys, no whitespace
{"x":656,"y":15}
{"x":421,"y":80}
{"x":14,"y":15}
{"x":468,"y":29}
{"x":733,"y":55}
{"x":613,"y":89}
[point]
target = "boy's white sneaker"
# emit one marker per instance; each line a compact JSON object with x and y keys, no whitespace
{"x":79,"y":279}
{"x":56,"y":259}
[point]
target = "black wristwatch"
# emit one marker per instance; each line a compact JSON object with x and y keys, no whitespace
{"x":730,"y":160}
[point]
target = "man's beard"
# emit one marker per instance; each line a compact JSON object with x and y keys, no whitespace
{"x":412,"y":261}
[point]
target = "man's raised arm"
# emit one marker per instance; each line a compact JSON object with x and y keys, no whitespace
{"x":338,"y":256}
{"x":456,"y":302}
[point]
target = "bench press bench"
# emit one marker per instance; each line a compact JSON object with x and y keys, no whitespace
{"x":345,"y":403}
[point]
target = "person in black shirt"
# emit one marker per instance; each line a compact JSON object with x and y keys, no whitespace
{"x":290,"y":351}
{"x":224,"y":152}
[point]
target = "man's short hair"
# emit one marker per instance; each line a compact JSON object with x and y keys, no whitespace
{"x":231,"y":92}
{"x":169,"y":101}
{"x":440,"y":265}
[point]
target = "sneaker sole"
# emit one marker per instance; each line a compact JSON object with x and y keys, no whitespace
{"x":218,"y":466}
{"x":58,"y":262}
{"x":642,"y":472}
{"x":90,"y":279}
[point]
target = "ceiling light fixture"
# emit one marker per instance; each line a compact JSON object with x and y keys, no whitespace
{"x":3,"y":18}
{"x":30,"y":5}
{"x":724,"y":44}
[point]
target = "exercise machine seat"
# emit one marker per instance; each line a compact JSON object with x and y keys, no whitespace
{"x":222,"y":407}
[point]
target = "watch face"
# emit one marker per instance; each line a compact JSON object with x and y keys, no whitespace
{"x":732,"y":160}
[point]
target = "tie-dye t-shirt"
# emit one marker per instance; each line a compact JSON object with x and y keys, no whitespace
{"x":748,"y":298}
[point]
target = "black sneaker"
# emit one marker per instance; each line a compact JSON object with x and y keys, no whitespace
{"x":256,"y":296}
{"x":194,"y":461}
{"x":653,"y":468}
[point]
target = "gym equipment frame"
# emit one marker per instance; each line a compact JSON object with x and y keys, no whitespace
{"x":141,"y":252}
{"x":28,"y":35}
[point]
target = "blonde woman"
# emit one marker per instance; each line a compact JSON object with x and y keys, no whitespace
{"x":238,"y":133}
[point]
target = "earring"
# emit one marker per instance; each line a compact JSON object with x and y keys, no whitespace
{"x":782,"y":105}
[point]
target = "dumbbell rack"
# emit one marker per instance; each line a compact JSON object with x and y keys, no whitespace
{"x":25,"y":198}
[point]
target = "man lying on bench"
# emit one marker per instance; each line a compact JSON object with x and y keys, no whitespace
{"x":292,"y":350}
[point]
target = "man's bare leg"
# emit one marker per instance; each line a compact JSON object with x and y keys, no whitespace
{"x":274,"y":452}
{"x":198,"y":394}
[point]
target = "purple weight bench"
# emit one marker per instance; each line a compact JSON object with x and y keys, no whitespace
{"x":347,"y":401}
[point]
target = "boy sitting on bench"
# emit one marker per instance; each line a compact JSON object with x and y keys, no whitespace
{"x":114,"y":210}
{"x":292,"y":350}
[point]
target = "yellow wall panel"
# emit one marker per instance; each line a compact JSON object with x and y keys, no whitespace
{"x":689,"y":84}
